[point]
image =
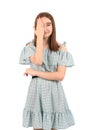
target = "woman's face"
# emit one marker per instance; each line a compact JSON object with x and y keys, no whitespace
{"x":47,"y":24}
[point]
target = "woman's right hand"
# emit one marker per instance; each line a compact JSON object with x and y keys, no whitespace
{"x":39,"y":31}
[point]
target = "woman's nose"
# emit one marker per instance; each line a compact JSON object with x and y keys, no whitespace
{"x":45,"y":27}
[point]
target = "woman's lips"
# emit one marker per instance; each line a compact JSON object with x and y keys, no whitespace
{"x":46,"y":32}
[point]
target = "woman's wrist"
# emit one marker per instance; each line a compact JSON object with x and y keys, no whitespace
{"x":36,"y":73}
{"x":39,"y":40}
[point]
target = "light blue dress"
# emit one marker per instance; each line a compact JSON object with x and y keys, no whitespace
{"x":46,"y":106}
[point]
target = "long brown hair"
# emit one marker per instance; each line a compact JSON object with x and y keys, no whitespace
{"x":53,"y":44}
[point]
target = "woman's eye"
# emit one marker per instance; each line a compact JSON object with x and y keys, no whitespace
{"x":48,"y":24}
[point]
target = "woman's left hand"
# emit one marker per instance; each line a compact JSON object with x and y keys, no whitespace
{"x":30,"y":71}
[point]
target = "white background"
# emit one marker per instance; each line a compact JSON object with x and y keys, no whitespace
{"x":16,"y":29}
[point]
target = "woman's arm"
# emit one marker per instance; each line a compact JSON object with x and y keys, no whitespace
{"x":38,"y":56}
{"x":58,"y":75}
{"x":39,"y":32}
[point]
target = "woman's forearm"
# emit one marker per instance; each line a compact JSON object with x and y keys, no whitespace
{"x":39,"y":51}
{"x":50,"y":75}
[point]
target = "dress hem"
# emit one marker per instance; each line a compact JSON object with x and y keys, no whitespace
{"x":48,"y":120}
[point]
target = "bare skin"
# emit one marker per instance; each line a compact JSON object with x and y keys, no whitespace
{"x":42,"y":31}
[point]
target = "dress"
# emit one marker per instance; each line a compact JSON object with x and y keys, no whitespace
{"x":46,"y":105}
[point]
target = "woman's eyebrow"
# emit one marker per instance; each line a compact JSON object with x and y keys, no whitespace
{"x":48,"y":23}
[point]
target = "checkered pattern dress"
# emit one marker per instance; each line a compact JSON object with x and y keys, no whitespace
{"x":46,"y":106}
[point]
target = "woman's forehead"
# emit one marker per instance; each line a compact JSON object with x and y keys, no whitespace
{"x":46,"y":20}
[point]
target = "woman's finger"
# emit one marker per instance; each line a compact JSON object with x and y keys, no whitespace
{"x":26,"y":74}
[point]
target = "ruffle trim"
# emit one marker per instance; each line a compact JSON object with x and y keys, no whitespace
{"x":47,"y":120}
{"x":26,"y":52}
{"x":65,"y":58}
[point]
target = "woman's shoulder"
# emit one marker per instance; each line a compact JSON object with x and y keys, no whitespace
{"x":30,"y":43}
{"x":62,"y":46}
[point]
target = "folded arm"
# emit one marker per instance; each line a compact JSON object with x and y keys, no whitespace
{"x":58,"y":75}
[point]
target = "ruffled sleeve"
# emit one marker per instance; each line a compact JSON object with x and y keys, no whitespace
{"x":65,"y":58}
{"x":26,"y":52}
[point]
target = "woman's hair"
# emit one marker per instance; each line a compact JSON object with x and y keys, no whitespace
{"x":53,"y":44}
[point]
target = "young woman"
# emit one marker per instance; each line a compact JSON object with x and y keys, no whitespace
{"x":46,"y":106}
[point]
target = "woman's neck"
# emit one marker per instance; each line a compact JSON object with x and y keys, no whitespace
{"x":45,"y":43}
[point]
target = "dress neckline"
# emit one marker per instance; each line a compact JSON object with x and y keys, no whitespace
{"x":43,"y":48}
{"x":46,"y":49}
